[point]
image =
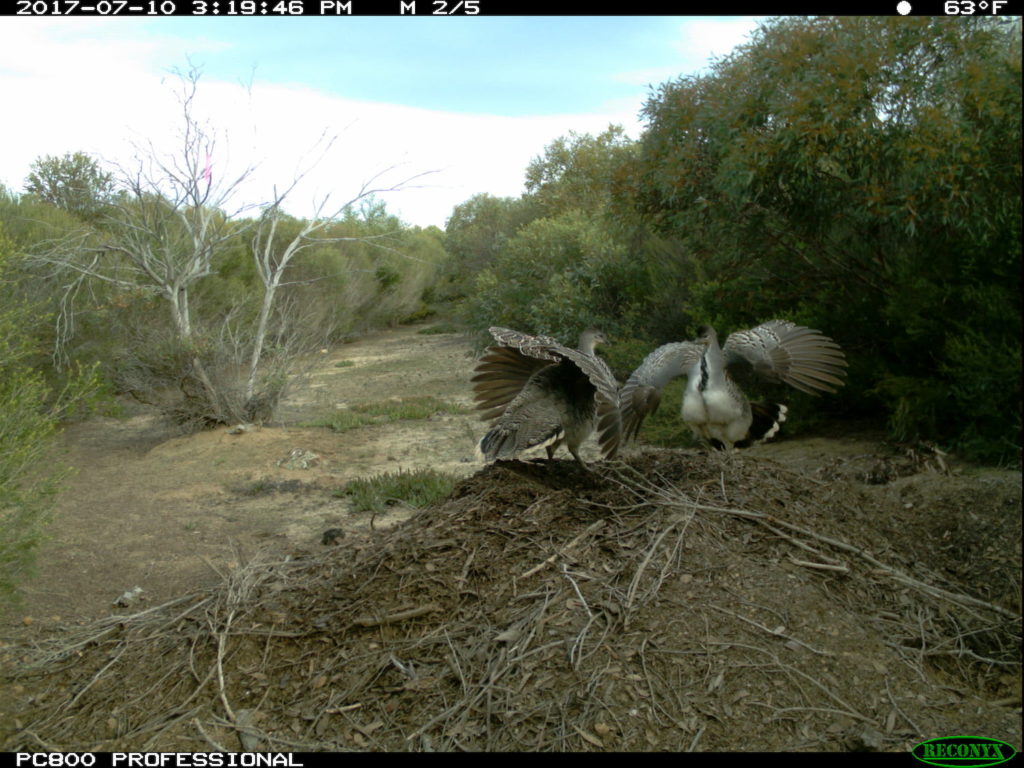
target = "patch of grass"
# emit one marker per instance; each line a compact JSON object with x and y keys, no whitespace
{"x":411,"y":408}
{"x":344,"y":364}
{"x":385,"y":412}
{"x":266,"y":485}
{"x":341,"y":421}
{"x":439,"y":328}
{"x":416,"y":488}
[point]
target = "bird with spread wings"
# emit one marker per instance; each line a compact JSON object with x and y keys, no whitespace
{"x":538,"y":392}
{"x":714,"y":406}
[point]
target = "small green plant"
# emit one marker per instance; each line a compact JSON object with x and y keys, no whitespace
{"x":342,"y":421}
{"x":439,"y":328}
{"x":420,"y":313}
{"x":256,"y":487}
{"x":344,"y":364}
{"x":416,"y":488}
{"x":366,"y":414}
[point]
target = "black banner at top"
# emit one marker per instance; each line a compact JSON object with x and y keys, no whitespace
{"x":440,"y":8}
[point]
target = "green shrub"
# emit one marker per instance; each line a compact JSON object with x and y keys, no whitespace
{"x":29,"y":414}
{"x":416,"y":488}
{"x":861,"y":176}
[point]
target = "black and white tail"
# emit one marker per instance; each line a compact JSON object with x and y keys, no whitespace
{"x":768,"y":418}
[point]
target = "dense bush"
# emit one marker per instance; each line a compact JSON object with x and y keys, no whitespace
{"x":857,"y":175}
{"x":364,"y":270}
{"x":555,"y":261}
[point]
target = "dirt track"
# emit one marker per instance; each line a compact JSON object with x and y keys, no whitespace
{"x":167,"y":514}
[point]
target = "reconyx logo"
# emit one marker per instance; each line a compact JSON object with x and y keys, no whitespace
{"x":957,"y":751}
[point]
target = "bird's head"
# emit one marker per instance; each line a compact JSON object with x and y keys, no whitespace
{"x":590,"y":338}
{"x":707,"y":334}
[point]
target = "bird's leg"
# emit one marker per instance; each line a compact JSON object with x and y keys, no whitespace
{"x":581,"y":461}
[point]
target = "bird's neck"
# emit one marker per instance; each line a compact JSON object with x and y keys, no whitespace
{"x":587,"y":344}
{"x":709,"y":373}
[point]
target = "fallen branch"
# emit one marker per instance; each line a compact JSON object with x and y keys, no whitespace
{"x":412,"y":613}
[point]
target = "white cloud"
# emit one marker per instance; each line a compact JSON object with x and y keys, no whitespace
{"x":700,"y":40}
{"x":96,"y":86}
{"x":650,"y":76}
{"x":278,"y":130}
{"x":467,"y":154}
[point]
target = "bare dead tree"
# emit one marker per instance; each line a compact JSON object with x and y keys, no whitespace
{"x":170,"y":223}
{"x":161,"y":236}
{"x":272,"y":260}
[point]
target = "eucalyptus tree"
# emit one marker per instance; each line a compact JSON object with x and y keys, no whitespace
{"x":863,"y":175}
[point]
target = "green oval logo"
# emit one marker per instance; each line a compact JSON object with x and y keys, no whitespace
{"x":957,"y":751}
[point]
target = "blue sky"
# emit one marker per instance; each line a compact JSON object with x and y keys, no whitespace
{"x":510,"y":66}
{"x":470,"y":100}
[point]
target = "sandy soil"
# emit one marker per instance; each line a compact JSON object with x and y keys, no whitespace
{"x":169,"y":513}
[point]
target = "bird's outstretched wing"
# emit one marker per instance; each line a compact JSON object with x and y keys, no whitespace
{"x":641,"y":394}
{"x":500,"y":375}
{"x":608,"y":420}
{"x":528,"y":344}
{"x":779,"y":350}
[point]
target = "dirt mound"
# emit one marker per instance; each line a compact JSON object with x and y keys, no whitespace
{"x":672,"y":601}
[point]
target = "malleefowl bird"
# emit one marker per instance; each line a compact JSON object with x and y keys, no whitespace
{"x":540,"y":393}
{"x":714,"y":407}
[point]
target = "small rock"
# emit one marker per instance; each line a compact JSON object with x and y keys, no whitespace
{"x":299,"y":459}
{"x":128,"y":598}
{"x":332,"y":536}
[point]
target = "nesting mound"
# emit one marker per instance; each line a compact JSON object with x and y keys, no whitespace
{"x":673,"y":601}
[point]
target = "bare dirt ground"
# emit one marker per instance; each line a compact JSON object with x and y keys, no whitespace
{"x":824,"y":593}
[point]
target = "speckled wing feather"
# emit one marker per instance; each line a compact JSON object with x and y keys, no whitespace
{"x":501,"y":374}
{"x":780,"y":350}
{"x":641,"y":395}
{"x":533,"y":419}
{"x":539,"y":347}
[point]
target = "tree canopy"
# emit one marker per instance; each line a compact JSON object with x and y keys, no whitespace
{"x":74,"y":182}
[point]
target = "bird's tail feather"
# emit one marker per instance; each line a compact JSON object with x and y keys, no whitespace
{"x":768,"y":417}
{"x":500,"y":443}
